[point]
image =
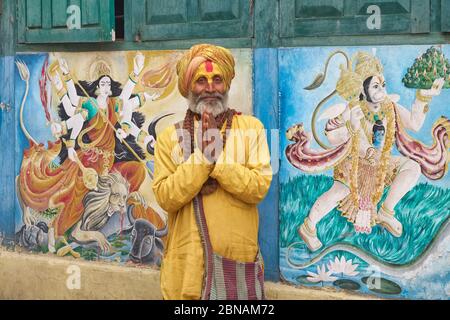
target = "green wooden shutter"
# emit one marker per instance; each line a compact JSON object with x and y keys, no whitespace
{"x":44,"y":21}
{"x":190,"y":19}
{"x":301,"y":18}
{"x":445,"y":15}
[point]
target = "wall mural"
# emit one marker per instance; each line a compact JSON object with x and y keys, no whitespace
{"x":87,"y":193}
{"x":365,"y":198}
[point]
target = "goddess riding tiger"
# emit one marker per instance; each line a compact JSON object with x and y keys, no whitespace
{"x":100,"y":133}
{"x":362,"y":134}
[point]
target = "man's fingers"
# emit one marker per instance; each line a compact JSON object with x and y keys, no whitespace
{"x":207,"y":120}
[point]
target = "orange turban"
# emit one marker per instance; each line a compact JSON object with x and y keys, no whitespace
{"x":198,"y":54}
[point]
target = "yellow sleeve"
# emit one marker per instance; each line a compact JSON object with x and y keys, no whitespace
{"x":249,"y":181}
{"x":176,"y":184}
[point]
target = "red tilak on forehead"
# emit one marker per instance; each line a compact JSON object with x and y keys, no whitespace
{"x":209,"y":66}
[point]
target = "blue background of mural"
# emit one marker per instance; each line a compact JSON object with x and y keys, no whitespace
{"x":33,"y":114}
{"x":7,"y":156}
{"x":424,"y":212}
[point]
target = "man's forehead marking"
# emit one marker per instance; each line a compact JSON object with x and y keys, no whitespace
{"x":209,"y":66}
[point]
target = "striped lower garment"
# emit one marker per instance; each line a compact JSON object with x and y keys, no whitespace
{"x":227,"y":279}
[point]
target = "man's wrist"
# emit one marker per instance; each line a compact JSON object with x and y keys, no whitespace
{"x":201,"y":158}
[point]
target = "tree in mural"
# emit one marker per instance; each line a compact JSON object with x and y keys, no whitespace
{"x":426,"y":69}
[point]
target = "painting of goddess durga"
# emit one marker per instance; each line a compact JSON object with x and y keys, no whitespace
{"x":97,"y":164}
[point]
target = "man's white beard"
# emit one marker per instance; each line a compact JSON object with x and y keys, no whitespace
{"x":199,"y":105}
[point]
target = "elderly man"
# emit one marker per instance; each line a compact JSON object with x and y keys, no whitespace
{"x":231,"y":172}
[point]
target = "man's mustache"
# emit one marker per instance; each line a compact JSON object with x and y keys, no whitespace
{"x":209,"y":95}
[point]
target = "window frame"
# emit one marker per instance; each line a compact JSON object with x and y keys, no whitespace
{"x":138,"y":31}
{"x":419,"y":22}
{"x":104,"y":31}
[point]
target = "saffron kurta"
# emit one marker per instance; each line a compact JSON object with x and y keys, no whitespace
{"x":244,"y":174}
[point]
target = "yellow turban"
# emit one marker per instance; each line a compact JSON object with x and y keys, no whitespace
{"x":198,"y":54}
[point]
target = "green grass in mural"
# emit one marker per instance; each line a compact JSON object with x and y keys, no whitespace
{"x":49,"y":213}
{"x":118,"y":244}
{"x":87,"y":254}
{"x":422,"y":211}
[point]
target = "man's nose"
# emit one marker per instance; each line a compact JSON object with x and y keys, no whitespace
{"x":210,"y":87}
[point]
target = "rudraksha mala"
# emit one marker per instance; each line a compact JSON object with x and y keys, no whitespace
{"x":188,"y":124}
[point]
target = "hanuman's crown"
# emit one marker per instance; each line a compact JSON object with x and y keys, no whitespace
{"x":367,"y":65}
{"x":350,"y":84}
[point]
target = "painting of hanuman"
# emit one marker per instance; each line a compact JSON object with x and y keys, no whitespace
{"x":100,"y":138}
{"x":362,"y":134}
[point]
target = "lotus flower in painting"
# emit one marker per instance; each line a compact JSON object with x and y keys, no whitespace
{"x":343,"y":266}
{"x":321,"y":276}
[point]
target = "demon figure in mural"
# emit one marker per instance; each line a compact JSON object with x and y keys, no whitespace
{"x":362,"y":134}
{"x":99,"y":162}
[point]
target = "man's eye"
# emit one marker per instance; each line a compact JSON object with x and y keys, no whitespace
{"x":217,"y":79}
{"x":376,"y":87}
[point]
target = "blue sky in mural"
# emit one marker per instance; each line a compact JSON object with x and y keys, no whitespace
{"x":299,"y":67}
{"x":33,"y":112}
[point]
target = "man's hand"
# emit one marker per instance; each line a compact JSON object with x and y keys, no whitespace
{"x":210,"y":137}
{"x":208,"y":123}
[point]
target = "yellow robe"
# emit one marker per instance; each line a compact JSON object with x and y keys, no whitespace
{"x":244,"y":175}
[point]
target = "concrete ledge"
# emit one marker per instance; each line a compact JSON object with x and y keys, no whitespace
{"x":281,"y":291}
{"x":44,"y":276}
